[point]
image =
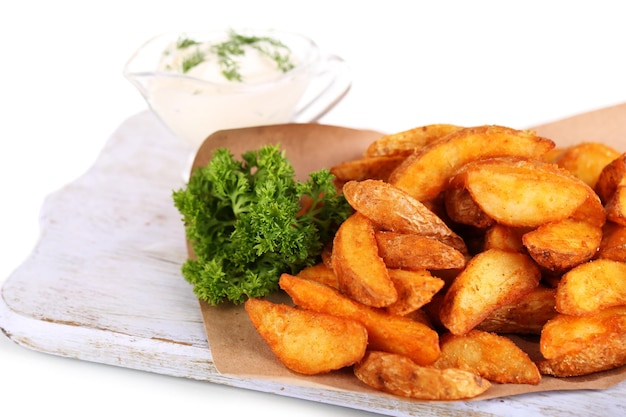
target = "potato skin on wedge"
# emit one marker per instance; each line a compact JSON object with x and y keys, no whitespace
{"x":399,"y":375}
{"x":491,"y":279}
{"x":425,"y":173}
{"x":361,"y":272}
{"x":386,"y":332}
{"x":492,"y":356}
{"x":581,"y":345}
{"x":307,"y":342}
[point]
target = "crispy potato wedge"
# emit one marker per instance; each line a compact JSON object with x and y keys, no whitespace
{"x":562,"y":245}
{"x":406,"y":142}
{"x":586,"y":160}
{"x":591,"y":210}
{"x":394,"y":210}
{"x":320,"y":273}
{"x":504,"y":237}
{"x":386,"y":332}
{"x":613,"y":245}
{"x":580,"y":345}
{"x":527,"y":315}
{"x":365,"y":168}
{"x":415,"y":289}
{"x":520,"y":192}
{"x":489,"y":355}
{"x":612,"y":176}
{"x":591,"y":287}
{"x":566,"y":334}
{"x":416,"y":252}
{"x":616,"y":206}
{"x":425,"y":173}
{"x":491,"y":279}
{"x":461,"y":208}
{"x":361,"y":272}
{"x":399,"y":375}
{"x":305,"y":341}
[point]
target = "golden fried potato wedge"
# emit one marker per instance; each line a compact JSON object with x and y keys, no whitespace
{"x":591,"y":210}
{"x":591,"y":287}
{"x":616,"y":206}
{"x":527,"y":315}
{"x":416,"y":252}
{"x":612,"y":176}
{"x":361,"y":272}
{"x":504,"y":237}
{"x":394,"y":210}
{"x":562,"y":245}
{"x":613,"y":245}
{"x":580,"y":345}
{"x":566,"y":334}
{"x":586,"y":160}
{"x":425,"y":173}
{"x":399,"y":375}
{"x":491,"y":279}
{"x":406,"y":142}
{"x":386,"y":332}
{"x":492,"y":356}
{"x":320,"y":273}
{"x":365,"y":168}
{"x":415,"y":289}
{"x":305,"y":341}
{"x":522,"y":192}
{"x":461,"y":208}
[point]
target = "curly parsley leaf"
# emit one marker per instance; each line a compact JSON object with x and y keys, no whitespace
{"x":249,"y":221}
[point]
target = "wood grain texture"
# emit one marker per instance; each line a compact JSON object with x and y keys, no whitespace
{"x":103,"y":284}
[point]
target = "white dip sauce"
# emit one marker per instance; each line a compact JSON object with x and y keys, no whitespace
{"x":202,"y":100}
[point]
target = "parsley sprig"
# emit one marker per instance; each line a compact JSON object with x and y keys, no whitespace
{"x":247,"y":223}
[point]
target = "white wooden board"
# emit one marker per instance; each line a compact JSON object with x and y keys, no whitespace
{"x":103,"y":284}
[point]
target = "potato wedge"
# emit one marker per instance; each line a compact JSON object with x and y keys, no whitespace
{"x":504,"y":237}
{"x":591,"y":287}
{"x":461,"y":208}
{"x":399,"y":375}
{"x":394,"y":210}
{"x":415,"y":289}
{"x":489,"y":355}
{"x":416,"y":252}
{"x":580,"y":345}
{"x":612,"y":176}
{"x":361,"y":272}
{"x":365,"y":168}
{"x":586,"y":160}
{"x":527,"y":315}
{"x":566,"y":334}
{"x":613,"y":245}
{"x":320,"y":273}
{"x":591,"y":210}
{"x":386,"y":332}
{"x":406,"y":142}
{"x":425,"y":173}
{"x":616,"y":206}
{"x":562,"y":245}
{"x":521,"y":192}
{"x":491,"y":279}
{"x":305,"y":341}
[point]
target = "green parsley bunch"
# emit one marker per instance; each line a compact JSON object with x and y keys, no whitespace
{"x":247,"y":224}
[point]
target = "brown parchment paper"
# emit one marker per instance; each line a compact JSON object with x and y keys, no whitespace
{"x":236,"y":347}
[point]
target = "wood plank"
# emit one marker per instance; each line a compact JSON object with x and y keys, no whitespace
{"x":103,"y":284}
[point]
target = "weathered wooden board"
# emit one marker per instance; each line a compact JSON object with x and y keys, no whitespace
{"x":103,"y":284}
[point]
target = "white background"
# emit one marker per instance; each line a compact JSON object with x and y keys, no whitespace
{"x":62,"y":94}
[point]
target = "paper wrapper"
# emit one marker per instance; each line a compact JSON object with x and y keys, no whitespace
{"x":237,"y":348}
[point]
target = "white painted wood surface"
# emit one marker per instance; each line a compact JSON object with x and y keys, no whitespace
{"x":103,"y":285}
